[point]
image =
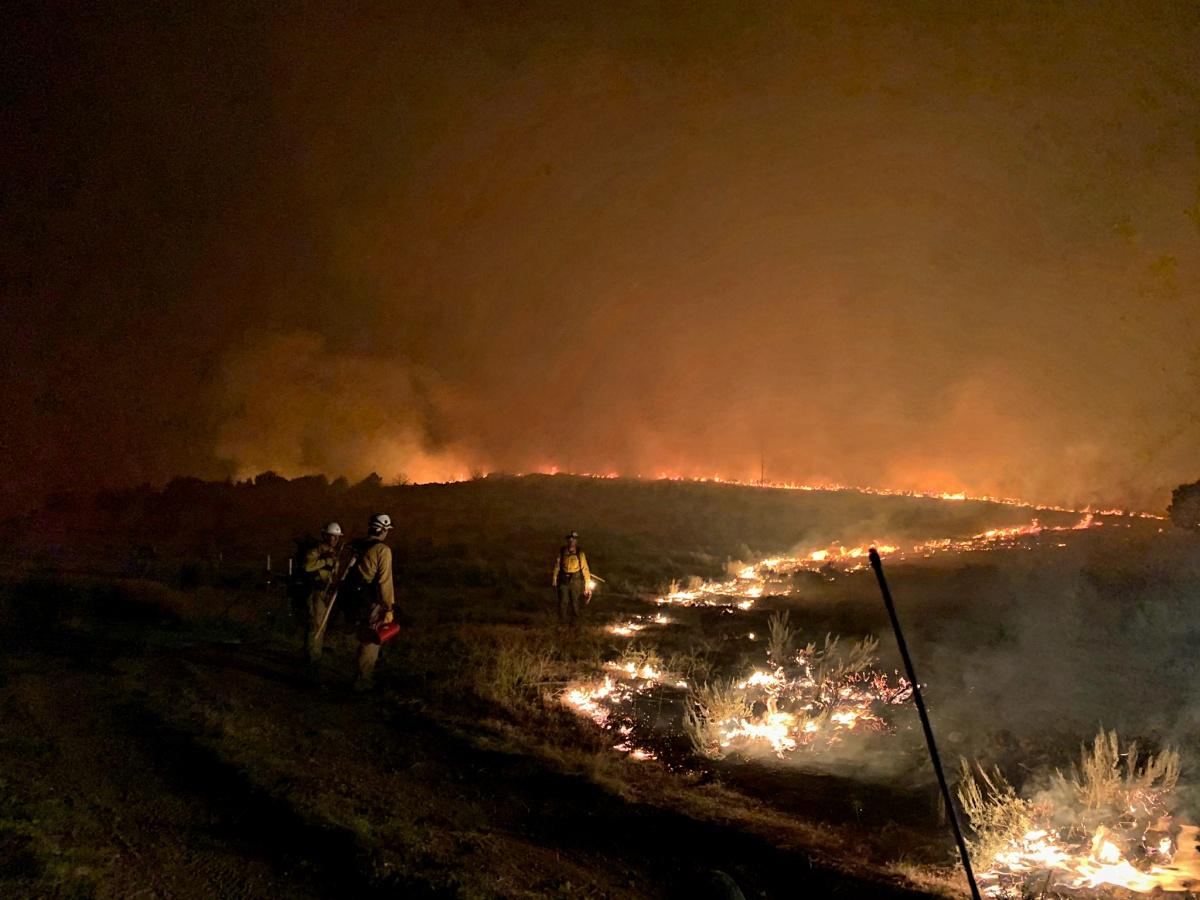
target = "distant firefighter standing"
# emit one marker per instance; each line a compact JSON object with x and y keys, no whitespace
{"x":572,"y":580}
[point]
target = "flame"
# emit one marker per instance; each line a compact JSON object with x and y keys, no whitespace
{"x":776,"y":729}
{"x":1155,"y":861}
{"x":752,"y":581}
{"x":645,"y":672}
{"x":836,"y":487}
{"x":630,"y":627}
{"x":813,"y":710}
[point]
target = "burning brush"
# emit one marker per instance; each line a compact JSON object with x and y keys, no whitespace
{"x":802,"y":699}
{"x":1104,"y":825}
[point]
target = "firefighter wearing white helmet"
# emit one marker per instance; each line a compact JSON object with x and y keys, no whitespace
{"x":320,"y":568}
{"x":372,"y":578}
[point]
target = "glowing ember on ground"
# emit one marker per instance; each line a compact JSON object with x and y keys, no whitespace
{"x":629,"y":628}
{"x":612,"y":702}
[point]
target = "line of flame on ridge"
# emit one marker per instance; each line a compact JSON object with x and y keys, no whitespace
{"x":879,"y":492}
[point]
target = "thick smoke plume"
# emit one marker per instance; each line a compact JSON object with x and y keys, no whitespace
{"x":301,"y":410}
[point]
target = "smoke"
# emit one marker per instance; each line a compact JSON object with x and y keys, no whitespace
{"x":928,"y":249}
{"x":1028,"y":655}
{"x":628,"y":269}
{"x":300,"y":409}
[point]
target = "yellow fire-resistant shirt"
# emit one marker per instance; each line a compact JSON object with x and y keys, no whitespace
{"x":319,"y":563}
{"x":571,"y":562}
{"x":375,"y":567}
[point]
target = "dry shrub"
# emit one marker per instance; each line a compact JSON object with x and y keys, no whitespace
{"x":998,"y":816}
{"x":1100,"y":782}
{"x":689,"y":665}
{"x":704,"y":735}
{"x":710,"y":705}
{"x":779,"y":641}
{"x":721,"y":701}
{"x":640,"y":657}
{"x":828,"y":666}
{"x":1099,"y":788}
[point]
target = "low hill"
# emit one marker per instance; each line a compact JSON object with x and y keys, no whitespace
{"x":496,"y":531}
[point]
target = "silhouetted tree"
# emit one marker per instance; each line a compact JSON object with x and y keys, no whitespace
{"x":370,"y":483}
{"x":1185,"y":506}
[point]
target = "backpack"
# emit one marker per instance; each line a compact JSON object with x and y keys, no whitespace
{"x":354,"y":595}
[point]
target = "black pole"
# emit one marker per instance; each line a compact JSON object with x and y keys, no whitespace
{"x":877,"y":565}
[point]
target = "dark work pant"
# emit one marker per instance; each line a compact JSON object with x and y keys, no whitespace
{"x":570,"y":599}
{"x":318,"y":604}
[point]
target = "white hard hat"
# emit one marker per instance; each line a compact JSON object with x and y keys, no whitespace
{"x":380,"y":522}
{"x":333,"y":528}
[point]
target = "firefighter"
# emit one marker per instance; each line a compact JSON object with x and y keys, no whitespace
{"x":572,"y":580}
{"x":320,"y":568}
{"x":371,"y":579}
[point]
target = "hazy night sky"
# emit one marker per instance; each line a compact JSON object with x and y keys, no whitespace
{"x":914,"y":245}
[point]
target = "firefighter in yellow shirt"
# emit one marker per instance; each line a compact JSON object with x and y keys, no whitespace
{"x":371,"y":579}
{"x":572,"y":580}
{"x":320,"y":572}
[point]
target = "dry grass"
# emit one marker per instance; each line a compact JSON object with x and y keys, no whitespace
{"x":514,"y":674}
{"x":690,"y":665}
{"x":722,"y":701}
{"x":704,"y":735}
